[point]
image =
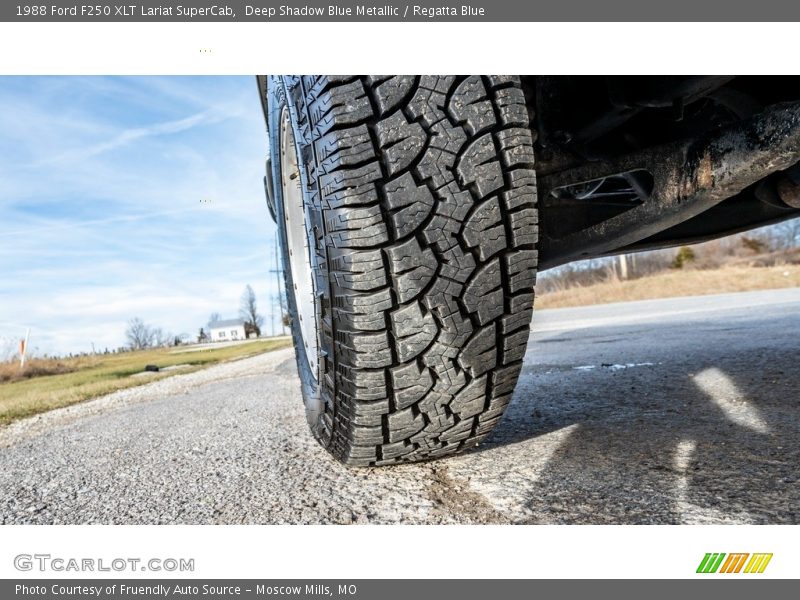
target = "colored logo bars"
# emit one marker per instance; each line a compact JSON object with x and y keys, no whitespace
{"x":713,"y":563}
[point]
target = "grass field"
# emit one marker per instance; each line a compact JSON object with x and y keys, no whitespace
{"x":53,"y":383}
{"x":683,"y":282}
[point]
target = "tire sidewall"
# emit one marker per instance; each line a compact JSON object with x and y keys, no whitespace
{"x":310,"y":387}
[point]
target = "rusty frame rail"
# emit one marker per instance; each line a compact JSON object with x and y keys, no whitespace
{"x":689,"y":177}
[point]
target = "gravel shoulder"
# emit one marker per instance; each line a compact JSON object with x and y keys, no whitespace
{"x":170,"y":386}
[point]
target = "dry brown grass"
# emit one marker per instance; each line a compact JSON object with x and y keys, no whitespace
{"x":684,"y":282}
{"x":39,"y":367}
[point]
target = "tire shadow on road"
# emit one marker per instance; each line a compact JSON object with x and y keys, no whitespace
{"x":637,"y":432}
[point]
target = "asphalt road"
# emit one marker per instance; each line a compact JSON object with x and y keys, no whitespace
{"x":670,"y":411}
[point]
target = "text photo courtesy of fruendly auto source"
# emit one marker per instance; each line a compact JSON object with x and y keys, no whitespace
{"x":399,"y":299}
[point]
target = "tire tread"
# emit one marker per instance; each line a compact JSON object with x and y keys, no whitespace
{"x":427,"y":200}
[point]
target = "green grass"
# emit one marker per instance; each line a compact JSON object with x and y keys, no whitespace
{"x":79,"y":379}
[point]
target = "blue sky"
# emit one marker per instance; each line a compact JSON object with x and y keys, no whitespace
{"x":129,"y":197}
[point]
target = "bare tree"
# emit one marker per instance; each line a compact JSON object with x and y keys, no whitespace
{"x":9,"y":349}
{"x":161,"y":337}
{"x":215,"y":316}
{"x":248,"y":310}
{"x":139,"y":334}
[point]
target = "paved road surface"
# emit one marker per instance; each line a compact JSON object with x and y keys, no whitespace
{"x":671,"y":411}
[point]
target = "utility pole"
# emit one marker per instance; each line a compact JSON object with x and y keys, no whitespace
{"x":272,"y":312}
{"x":279,"y":278}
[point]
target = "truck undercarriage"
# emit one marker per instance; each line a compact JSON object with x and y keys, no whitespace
{"x":632,"y":163}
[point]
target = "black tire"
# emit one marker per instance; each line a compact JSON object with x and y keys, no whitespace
{"x":421,"y":199}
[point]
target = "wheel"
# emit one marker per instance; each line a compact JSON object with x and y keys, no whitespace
{"x":406,"y":210}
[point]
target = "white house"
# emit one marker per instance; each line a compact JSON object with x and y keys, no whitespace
{"x":226,"y":330}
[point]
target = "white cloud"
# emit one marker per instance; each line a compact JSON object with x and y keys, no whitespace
{"x":126,"y":137}
{"x":100,"y":215}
